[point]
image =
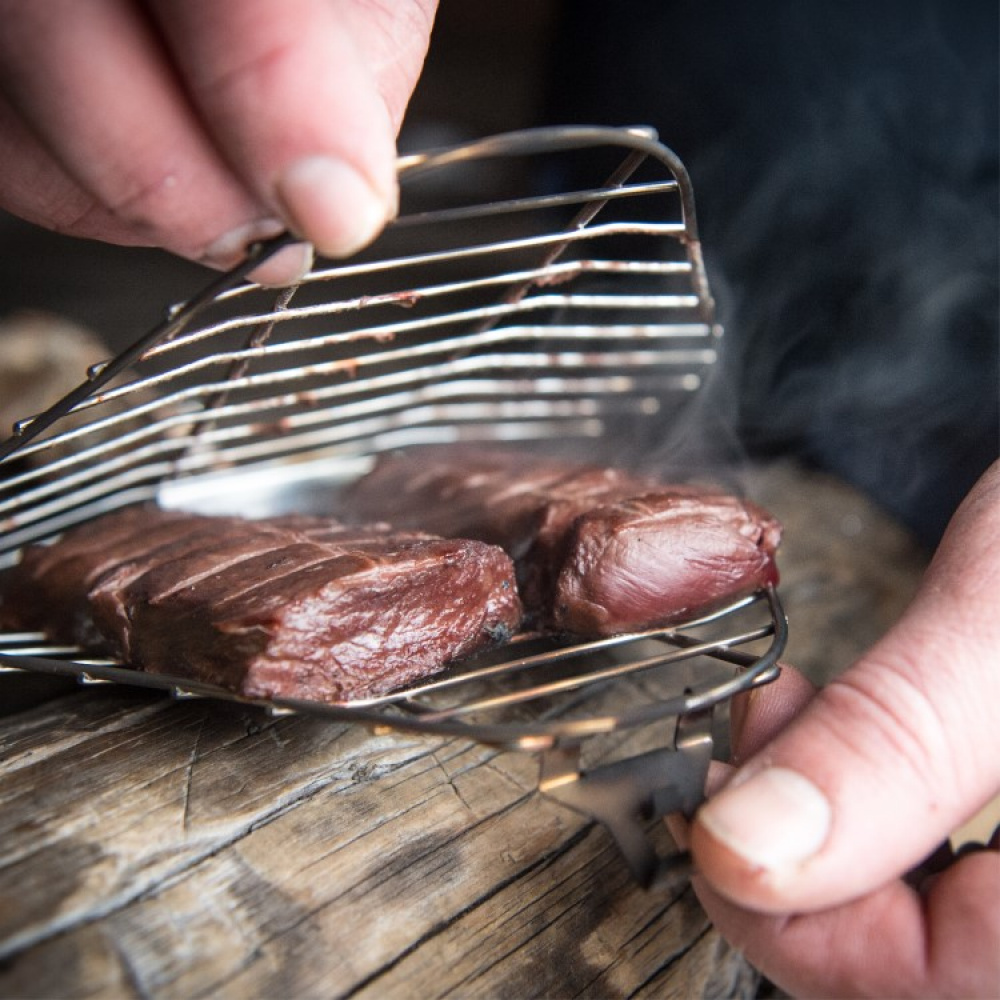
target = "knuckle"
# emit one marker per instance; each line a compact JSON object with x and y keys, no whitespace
{"x":171,"y":209}
{"x":901,"y":722}
{"x":224,"y":77}
{"x":145,"y":206}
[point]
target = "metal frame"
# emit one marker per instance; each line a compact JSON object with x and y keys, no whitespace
{"x":463,"y":364}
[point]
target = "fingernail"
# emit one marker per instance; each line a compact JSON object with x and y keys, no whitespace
{"x":289,"y":265}
{"x":775,"y":819}
{"x":330,"y":204}
{"x":230,"y":248}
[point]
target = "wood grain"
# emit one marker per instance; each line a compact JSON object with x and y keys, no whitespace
{"x":154,"y":848}
{"x":165,"y":849}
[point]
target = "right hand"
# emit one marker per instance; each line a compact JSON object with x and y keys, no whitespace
{"x":804,"y":852}
{"x":201,"y":127}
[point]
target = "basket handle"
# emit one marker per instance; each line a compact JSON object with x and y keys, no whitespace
{"x":626,"y":794}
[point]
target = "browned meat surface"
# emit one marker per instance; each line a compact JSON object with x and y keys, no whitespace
{"x":597,"y":551}
{"x":660,"y":558}
{"x":291,"y":607}
{"x":523,"y":504}
{"x":48,"y":588}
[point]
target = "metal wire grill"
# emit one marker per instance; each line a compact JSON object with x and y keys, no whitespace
{"x":547,"y":316}
{"x":544,"y":287}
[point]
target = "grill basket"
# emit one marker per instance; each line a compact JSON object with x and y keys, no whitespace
{"x":544,"y":288}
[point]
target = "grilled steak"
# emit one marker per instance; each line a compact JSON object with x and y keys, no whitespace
{"x":289,"y":607}
{"x":660,"y":558}
{"x":597,"y":551}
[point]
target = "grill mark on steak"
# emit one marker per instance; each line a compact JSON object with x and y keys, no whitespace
{"x":597,"y":551}
{"x":306,"y":634}
{"x":200,"y":554}
{"x":296,"y":608}
{"x":162,"y":573}
{"x":79,"y":543}
{"x":52,"y":580}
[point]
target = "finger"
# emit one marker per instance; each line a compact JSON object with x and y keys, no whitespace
{"x":887,"y":760}
{"x":757,"y":717}
{"x":38,"y":189}
{"x":890,"y":943}
{"x":101,"y":98}
{"x":288,"y":92}
{"x":393,"y":40}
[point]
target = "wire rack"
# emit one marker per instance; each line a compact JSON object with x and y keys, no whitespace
{"x":545,"y":288}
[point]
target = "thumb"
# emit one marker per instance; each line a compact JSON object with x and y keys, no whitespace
{"x":888,"y":759}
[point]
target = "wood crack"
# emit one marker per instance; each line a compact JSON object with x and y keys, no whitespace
{"x":219,"y":986}
{"x":671,"y":961}
{"x":443,"y":926}
{"x":140,"y":890}
{"x":452,"y":785}
{"x":189,"y":775}
{"x":656,"y":917}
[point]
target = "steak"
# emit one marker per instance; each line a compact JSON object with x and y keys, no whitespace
{"x":660,"y":558}
{"x":597,"y":551}
{"x":291,"y":607}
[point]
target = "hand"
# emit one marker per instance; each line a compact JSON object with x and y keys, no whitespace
{"x":802,"y":853}
{"x":202,"y":126}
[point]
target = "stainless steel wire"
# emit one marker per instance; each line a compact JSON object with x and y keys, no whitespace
{"x":544,"y":287}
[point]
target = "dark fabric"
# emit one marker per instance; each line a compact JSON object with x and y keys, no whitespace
{"x":845,"y":160}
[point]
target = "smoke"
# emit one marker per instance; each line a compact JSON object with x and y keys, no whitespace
{"x":859,"y":285}
{"x":844,"y":157}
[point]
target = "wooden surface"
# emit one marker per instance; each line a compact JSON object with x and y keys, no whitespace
{"x":187,"y":849}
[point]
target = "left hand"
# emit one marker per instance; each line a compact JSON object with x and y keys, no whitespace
{"x":200,"y":126}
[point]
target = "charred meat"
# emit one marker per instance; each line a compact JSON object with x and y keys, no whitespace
{"x":598,"y":551}
{"x":288,"y":607}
